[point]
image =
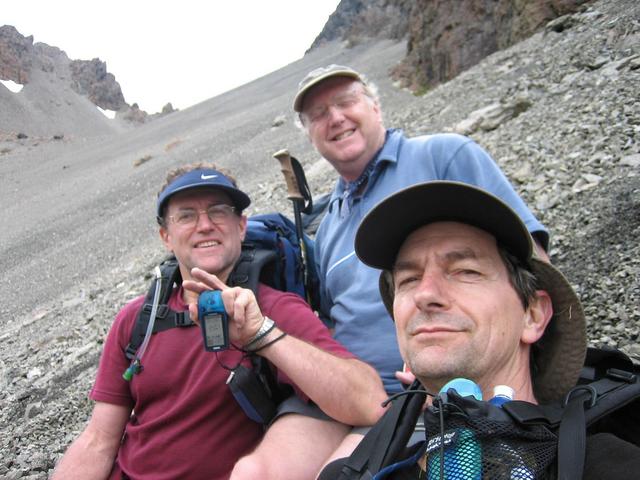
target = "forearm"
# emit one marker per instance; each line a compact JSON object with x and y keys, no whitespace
{"x":346,"y":389}
{"x":85,"y":460}
{"x":92,"y":454}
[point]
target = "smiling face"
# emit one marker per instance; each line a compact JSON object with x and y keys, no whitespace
{"x":344,"y":124}
{"x":456,"y":312}
{"x":214,"y":247}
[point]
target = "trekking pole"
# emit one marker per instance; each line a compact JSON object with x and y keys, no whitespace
{"x":300,"y":196}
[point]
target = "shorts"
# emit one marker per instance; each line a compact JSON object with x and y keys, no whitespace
{"x":294,"y":404}
{"x":417,"y":436}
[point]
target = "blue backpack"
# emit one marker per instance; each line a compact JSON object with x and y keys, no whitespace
{"x":273,"y":254}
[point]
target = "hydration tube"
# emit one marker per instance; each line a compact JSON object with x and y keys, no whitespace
{"x":136,"y":365}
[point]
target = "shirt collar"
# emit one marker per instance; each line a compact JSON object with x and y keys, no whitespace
{"x":387,"y":154}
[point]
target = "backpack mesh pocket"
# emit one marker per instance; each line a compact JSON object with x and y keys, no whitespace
{"x":483,"y":442}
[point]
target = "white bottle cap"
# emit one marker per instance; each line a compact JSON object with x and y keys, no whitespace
{"x":503,"y":391}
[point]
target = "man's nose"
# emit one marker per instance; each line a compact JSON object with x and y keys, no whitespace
{"x":204,"y":222}
{"x":335,"y":113}
{"x":431,"y":293}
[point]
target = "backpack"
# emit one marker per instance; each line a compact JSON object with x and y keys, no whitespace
{"x":540,"y":437}
{"x":312,"y":216}
{"x":285,"y":271}
{"x":271,"y":254}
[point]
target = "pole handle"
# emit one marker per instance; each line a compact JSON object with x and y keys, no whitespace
{"x":293,"y":189}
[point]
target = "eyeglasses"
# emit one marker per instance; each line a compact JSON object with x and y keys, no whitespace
{"x":340,"y":102}
{"x":216,"y":213}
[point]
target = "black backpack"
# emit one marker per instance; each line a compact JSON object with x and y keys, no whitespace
{"x":606,"y":399}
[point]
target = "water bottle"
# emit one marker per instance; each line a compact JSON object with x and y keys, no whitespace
{"x":501,"y":394}
{"x":462,"y":452}
{"x":463,"y":387}
{"x":510,"y":456}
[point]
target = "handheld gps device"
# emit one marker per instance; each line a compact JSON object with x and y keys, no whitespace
{"x":214,"y":322}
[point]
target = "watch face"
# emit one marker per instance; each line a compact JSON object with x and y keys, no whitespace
{"x":266,"y":326}
{"x":258,"y":338}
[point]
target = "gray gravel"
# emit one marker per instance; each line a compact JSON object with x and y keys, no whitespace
{"x":558,"y":112}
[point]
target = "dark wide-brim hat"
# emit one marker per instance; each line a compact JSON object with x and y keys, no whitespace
{"x":559,"y":355}
{"x":203,"y":178}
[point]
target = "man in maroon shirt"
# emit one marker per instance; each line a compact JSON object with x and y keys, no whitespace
{"x":177,"y":418}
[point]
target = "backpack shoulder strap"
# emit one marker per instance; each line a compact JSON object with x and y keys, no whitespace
{"x":387,"y":438}
{"x":246,"y":274}
{"x":252,"y":261}
{"x":165,"y":317}
{"x":600,"y":402}
{"x":609,"y":381}
{"x":607,"y":399}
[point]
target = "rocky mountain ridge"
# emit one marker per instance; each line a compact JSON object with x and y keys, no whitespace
{"x":558,"y":111}
{"x":47,"y":72}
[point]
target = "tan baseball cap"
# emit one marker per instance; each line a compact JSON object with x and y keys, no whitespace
{"x":314,"y":77}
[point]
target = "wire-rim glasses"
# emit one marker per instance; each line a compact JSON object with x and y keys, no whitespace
{"x":188,"y":217}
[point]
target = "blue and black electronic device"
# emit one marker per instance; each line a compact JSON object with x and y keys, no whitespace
{"x":214,"y":322}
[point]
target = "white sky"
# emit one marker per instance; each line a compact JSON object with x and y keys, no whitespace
{"x":178,"y":51}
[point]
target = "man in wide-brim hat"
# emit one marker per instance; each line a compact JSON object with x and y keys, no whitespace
{"x":468,"y":295}
{"x":471,"y":300}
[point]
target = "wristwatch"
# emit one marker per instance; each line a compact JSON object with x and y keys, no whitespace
{"x":265,"y":328}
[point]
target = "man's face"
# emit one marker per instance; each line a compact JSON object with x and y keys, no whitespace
{"x":344,"y":124}
{"x":456,"y":312}
{"x":214,"y":247}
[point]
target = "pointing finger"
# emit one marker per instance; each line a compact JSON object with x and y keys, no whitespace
{"x":212,"y":281}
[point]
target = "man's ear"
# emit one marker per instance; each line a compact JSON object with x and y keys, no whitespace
{"x":164,"y":236}
{"x":537,"y":317}
{"x":243,"y":227}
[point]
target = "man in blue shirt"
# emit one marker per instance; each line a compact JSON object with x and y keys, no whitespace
{"x":342,"y":117}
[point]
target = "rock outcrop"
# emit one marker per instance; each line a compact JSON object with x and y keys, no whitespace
{"x":90,"y":78}
{"x":19,"y":57}
{"x":357,"y":20}
{"x":61,"y":94}
{"x":15,"y":58}
{"x":444,"y":37}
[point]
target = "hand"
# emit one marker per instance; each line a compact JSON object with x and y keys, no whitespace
{"x":406,"y":377}
{"x":245,"y":317}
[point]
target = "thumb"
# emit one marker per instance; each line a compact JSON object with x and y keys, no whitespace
{"x":193,"y":313}
{"x":406,"y":377}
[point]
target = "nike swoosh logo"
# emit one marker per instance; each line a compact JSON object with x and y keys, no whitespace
{"x":207,"y":177}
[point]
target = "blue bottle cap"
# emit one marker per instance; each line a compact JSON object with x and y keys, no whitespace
{"x":464,"y":387}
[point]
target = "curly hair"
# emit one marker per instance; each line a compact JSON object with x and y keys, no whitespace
{"x":178,"y":172}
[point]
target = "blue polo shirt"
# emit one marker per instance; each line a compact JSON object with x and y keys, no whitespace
{"x":349,"y":289}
